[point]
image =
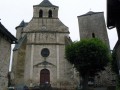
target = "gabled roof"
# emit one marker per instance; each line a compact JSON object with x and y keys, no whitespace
{"x":46,"y":3}
{"x":45,"y":63}
{"x":90,"y":13}
{"x":22,"y":24}
{"x":7,"y":34}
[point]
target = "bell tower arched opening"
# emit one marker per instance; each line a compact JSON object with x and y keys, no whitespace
{"x":41,"y":13}
{"x":50,"y":13}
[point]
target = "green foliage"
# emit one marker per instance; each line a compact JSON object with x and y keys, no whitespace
{"x":88,"y":55}
{"x":114,"y":62}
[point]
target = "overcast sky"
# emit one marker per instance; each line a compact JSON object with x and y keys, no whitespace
{"x":12,"y":12}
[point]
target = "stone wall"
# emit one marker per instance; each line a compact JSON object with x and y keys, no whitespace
{"x":5,"y":51}
{"x":117,"y":50}
{"x":93,"y":23}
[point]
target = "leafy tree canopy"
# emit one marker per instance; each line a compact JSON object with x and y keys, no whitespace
{"x":88,"y":55}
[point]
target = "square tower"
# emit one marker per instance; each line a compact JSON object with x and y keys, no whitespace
{"x":92,"y":25}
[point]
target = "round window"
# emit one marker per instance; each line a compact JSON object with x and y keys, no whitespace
{"x":45,"y":52}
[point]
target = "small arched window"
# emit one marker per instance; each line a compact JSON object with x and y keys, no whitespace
{"x":41,"y":13}
{"x":50,"y":14}
{"x":93,"y":35}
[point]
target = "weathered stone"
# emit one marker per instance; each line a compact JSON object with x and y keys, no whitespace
{"x":6,"y":40}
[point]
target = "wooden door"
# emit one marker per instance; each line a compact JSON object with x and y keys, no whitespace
{"x":44,"y":76}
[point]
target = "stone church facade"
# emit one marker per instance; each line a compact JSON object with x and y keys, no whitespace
{"x":39,"y":56}
{"x":6,"y":39}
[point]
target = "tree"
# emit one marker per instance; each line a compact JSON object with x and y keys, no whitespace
{"x":89,"y":56}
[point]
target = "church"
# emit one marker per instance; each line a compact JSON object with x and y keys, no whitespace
{"x":39,"y":56}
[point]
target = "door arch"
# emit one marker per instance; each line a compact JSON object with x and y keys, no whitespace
{"x":44,"y":76}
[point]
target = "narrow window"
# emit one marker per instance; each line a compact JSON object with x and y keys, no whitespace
{"x":40,"y":13}
{"x":50,"y":14}
{"x":93,"y":35}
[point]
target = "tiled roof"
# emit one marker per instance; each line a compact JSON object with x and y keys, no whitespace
{"x":46,"y":3}
{"x":20,"y":41}
{"x":22,"y":24}
{"x":90,"y":13}
{"x":6,"y":33}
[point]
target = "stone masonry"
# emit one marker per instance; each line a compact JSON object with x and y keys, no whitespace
{"x":5,"y":49}
{"x":44,"y":31}
{"x":6,"y":39}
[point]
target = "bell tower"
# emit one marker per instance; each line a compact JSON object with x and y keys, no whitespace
{"x":92,"y":25}
{"x":45,"y":10}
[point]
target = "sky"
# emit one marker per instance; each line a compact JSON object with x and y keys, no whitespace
{"x":12,"y":12}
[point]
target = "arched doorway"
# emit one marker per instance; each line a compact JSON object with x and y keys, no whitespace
{"x":44,"y":76}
